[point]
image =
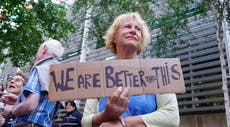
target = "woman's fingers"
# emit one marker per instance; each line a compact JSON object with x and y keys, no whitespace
{"x":116,"y":95}
{"x":125,"y":92}
{"x":120,"y":96}
{"x":123,"y":99}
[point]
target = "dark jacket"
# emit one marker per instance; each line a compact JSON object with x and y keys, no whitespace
{"x":72,"y":119}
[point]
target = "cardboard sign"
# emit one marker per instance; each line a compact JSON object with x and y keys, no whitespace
{"x":97,"y":79}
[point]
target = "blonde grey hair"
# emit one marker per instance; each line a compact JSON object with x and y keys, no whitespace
{"x":55,"y":48}
{"x":111,"y":32}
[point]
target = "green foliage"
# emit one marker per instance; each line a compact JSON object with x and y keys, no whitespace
{"x":167,"y":17}
{"x":26,"y":24}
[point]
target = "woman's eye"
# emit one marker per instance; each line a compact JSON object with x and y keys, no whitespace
{"x":138,"y":28}
{"x":127,"y":26}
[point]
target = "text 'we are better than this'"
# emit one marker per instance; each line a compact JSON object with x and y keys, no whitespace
{"x":102,"y":77}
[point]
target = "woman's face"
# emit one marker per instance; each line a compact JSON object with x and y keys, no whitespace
{"x":129,"y":34}
{"x":69,"y":108}
{"x":15,"y":85}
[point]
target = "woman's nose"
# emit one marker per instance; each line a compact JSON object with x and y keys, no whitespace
{"x":12,"y":80}
{"x":132,"y":30}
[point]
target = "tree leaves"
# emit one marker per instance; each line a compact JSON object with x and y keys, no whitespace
{"x":27,"y":24}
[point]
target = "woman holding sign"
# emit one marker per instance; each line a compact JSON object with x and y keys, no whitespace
{"x":126,"y":38}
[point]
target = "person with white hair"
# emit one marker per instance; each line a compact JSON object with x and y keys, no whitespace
{"x":32,"y":108}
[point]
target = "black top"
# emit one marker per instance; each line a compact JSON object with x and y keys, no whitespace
{"x":72,"y":119}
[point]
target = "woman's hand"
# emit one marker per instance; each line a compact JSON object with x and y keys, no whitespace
{"x":130,"y":121}
{"x":6,"y":110}
{"x":9,"y":98}
{"x":115,"y":123}
{"x":115,"y":107}
{"x":2,"y":120}
{"x":117,"y":104}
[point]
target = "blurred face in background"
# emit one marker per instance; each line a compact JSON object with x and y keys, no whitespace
{"x":15,"y":85}
{"x":69,"y":107}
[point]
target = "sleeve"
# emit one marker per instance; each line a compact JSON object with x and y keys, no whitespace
{"x":167,"y":113}
{"x":91,"y":108}
{"x":33,"y":84}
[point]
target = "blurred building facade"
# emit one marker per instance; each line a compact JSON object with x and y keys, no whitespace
{"x":203,"y":103}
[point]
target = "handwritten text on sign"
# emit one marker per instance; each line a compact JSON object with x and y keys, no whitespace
{"x":101,"y":78}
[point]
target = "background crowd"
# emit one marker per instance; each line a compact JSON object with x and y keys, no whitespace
{"x":28,"y":106}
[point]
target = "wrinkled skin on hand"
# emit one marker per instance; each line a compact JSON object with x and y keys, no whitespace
{"x":117,"y":104}
{"x":115,"y":123}
{"x":2,"y":120}
{"x":9,"y":98}
{"x":6,"y":110}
